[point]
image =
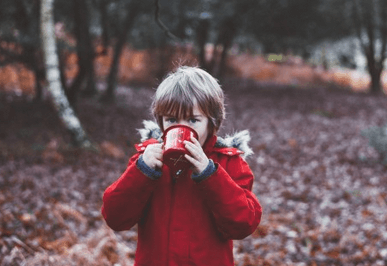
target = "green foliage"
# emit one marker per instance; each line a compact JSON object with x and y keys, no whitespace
{"x":275,"y":58}
{"x":377,"y":137}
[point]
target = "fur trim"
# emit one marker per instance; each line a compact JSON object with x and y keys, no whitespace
{"x":150,"y":131}
{"x":239,"y":140}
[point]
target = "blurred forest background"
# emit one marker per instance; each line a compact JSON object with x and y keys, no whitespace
{"x":306,"y":77}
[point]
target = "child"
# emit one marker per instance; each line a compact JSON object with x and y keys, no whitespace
{"x":189,"y":219}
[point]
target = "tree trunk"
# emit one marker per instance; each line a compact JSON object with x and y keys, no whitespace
{"x":374,"y":62}
{"x":104,"y":24}
{"x":62,"y":56}
{"x":39,"y":70}
{"x":227,"y":34}
{"x":376,"y":85}
{"x":108,"y":96}
{"x":27,"y":18}
{"x":375,"y":69}
{"x":85,"y":52}
{"x":60,"y":102}
{"x":201,"y":40}
{"x":33,"y":62}
{"x":39,"y":76}
{"x":163,"y":56}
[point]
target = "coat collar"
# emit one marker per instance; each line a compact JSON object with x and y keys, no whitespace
{"x":230,"y":144}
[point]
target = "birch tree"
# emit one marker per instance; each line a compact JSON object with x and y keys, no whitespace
{"x":61,"y":103}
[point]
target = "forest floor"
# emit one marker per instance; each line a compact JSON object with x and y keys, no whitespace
{"x":322,"y":187}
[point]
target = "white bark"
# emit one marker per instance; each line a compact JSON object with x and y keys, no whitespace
{"x":61,"y":103}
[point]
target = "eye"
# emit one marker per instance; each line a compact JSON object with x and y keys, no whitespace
{"x":193,"y":120}
{"x":170,"y":120}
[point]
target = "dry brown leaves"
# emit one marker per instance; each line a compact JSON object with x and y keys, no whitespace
{"x":320,"y":184}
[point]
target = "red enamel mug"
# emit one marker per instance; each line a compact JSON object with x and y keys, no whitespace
{"x":174,"y":148}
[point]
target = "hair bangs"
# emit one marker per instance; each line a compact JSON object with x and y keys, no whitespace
{"x":178,"y":103}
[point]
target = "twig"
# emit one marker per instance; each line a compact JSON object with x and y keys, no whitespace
{"x":22,"y":244}
{"x":161,"y":24}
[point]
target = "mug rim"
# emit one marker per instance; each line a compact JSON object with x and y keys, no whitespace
{"x":179,"y":126}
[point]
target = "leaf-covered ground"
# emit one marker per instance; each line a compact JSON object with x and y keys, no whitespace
{"x":322,"y":187}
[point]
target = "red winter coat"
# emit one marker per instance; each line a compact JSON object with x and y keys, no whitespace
{"x":185,"y":223}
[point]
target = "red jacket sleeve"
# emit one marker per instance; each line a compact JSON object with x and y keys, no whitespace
{"x":235,"y":209}
{"x":125,"y":200}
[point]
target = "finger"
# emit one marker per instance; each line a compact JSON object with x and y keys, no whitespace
{"x":157,"y":146}
{"x":196,"y":142}
{"x":159,"y":164}
{"x":189,"y":145}
{"x":158,"y":155}
{"x":157,"y":150}
{"x":197,"y":153}
{"x":197,"y":166}
{"x":193,"y":151}
{"x":197,"y":145}
{"x":192,"y":146}
{"x":191,"y":160}
{"x":149,"y":150}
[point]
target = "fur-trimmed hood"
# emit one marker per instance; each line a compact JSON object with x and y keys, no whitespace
{"x":238,"y":140}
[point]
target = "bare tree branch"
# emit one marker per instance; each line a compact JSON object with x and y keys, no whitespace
{"x":161,"y":24}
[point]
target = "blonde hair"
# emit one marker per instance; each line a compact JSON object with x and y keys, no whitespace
{"x":181,"y":90}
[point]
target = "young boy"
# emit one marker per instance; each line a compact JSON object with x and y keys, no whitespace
{"x":189,"y":219}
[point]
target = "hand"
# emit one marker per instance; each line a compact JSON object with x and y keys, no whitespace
{"x":198,"y":158}
{"x":153,"y":156}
